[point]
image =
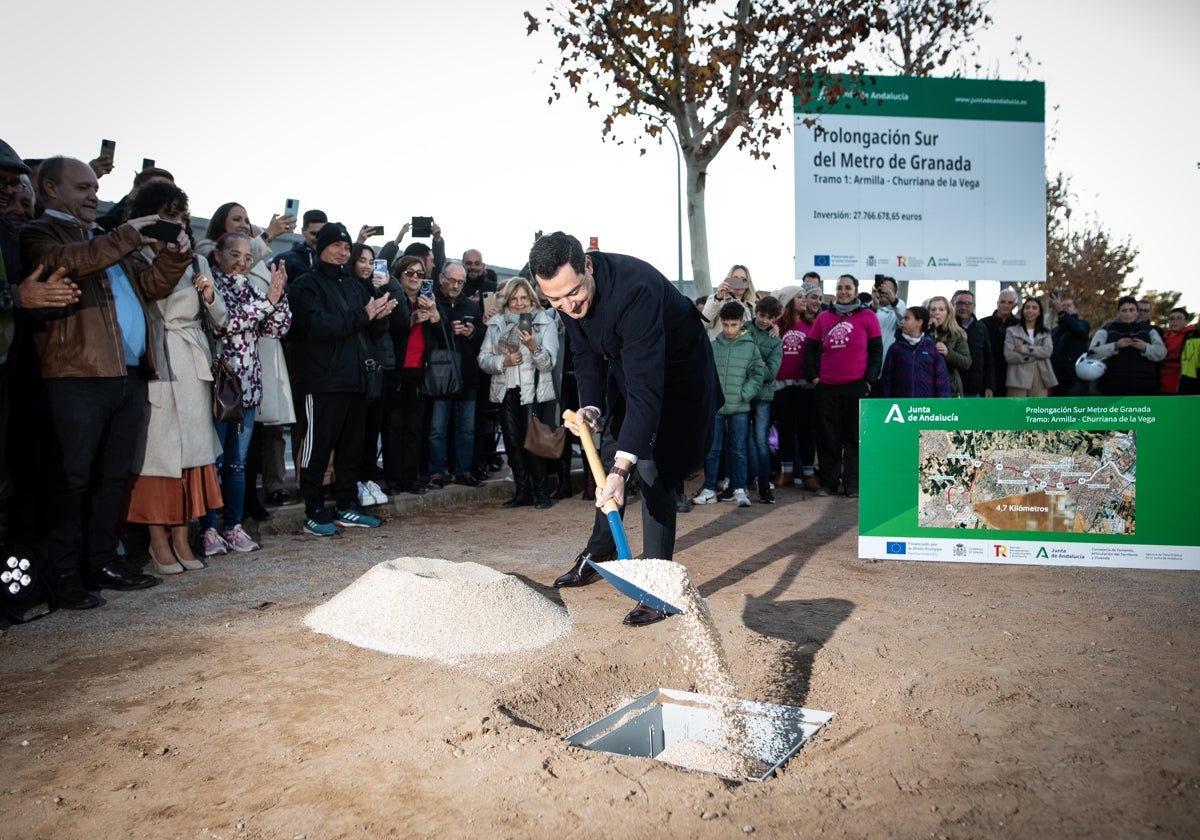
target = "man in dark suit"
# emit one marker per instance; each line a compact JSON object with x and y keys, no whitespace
{"x":625,"y":320}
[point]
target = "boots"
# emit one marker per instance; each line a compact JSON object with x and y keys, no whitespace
{"x":541,"y":498}
{"x":521,"y":495}
{"x":564,"y":490}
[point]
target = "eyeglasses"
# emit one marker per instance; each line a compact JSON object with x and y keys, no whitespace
{"x":413,"y":272}
{"x":450,"y":281}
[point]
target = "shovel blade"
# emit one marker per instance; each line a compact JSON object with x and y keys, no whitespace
{"x":611,"y":572}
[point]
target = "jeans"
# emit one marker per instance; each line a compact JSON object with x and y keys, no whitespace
{"x":231,"y":464}
{"x":760,"y":417}
{"x":738,"y":428}
{"x":464,"y":435}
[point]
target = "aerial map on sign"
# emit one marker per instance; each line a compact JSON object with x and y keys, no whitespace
{"x":1079,"y":481}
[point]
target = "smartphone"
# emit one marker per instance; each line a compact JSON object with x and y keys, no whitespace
{"x":525,"y":322}
{"x":593,"y":243}
{"x":738,"y":284}
{"x":422,"y":226}
{"x":108,"y":149}
{"x":375,"y":230}
{"x":163,"y":231}
{"x":489,"y":300}
{"x":379,"y":273}
{"x":427,"y":288}
{"x":147,"y":163}
{"x":292,"y":208}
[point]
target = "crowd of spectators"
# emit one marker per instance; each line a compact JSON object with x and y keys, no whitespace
{"x":114,"y":327}
{"x":858,"y":345}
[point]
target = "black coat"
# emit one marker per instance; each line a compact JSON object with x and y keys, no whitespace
{"x":331,"y":335}
{"x":650,"y":338}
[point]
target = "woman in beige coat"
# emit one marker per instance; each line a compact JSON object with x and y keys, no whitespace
{"x":1027,"y":349}
{"x":175,"y":477}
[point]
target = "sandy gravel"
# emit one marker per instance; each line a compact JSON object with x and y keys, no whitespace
{"x":970,"y":701}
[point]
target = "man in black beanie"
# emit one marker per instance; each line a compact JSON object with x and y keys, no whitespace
{"x":334,"y":325}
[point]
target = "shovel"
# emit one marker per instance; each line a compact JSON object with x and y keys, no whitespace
{"x":608,"y":570}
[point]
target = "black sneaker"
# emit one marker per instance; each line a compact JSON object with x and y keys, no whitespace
{"x":725,"y":495}
{"x":767,"y":496}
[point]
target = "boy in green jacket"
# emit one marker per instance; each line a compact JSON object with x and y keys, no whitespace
{"x":771,"y":348}
{"x":740,"y":369}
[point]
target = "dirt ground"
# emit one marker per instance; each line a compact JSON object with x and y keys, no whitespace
{"x":970,"y":700}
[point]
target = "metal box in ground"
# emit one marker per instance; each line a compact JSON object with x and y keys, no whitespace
{"x":759,"y":737}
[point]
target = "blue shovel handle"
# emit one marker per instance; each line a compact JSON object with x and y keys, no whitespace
{"x":617,"y":527}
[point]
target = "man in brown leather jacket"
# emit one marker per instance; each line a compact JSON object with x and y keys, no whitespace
{"x":95,"y":362}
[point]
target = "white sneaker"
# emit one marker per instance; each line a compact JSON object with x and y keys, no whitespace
{"x":739,"y":496}
{"x":722,"y":485}
{"x":376,"y":492}
{"x":705,"y":497}
{"x":365,"y":497}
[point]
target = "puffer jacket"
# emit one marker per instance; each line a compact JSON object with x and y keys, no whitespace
{"x":491,"y":361}
{"x":914,"y":371}
{"x":771,"y":349}
{"x":741,"y":371}
{"x":83,"y":340}
{"x":329,"y":317}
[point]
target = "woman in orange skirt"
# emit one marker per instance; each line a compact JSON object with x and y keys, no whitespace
{"x":175,"y":477}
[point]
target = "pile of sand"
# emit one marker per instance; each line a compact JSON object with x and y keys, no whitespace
{"x":434,"y":609}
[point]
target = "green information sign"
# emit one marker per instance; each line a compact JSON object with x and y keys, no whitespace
{"x":1093,"y":482}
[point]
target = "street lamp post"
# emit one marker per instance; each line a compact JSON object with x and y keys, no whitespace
{"x":678,"y":186}
{"x":678,"y":198}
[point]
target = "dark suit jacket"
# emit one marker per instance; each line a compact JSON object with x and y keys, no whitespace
{"x":652,"y":340}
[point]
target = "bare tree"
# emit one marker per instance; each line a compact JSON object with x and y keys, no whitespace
{"x":715,"y":70}
{"x":925,"y":34}
{"x":1083,"y":261}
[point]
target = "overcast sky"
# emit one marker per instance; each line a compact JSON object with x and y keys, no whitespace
{"x":378,"y":111}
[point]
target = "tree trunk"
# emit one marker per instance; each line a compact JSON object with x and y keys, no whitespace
{"x":697,"y":173}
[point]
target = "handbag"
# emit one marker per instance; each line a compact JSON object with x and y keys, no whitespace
{"x":227,"y":404}
{"x":541,"y":439}
{"x":442,"y":376}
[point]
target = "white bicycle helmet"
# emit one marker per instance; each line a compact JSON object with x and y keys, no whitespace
{"x":1089,"y":369}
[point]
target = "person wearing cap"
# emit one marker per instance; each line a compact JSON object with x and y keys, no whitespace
{"x":95,"y":362}
{"x":334,"y":323}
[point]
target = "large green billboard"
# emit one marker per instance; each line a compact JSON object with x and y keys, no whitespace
{"x":1089,"y":482}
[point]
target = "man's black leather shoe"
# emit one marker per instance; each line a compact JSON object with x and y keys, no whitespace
{"x":84,"y":601}
{"x":116,"y":577}
{"x":641,"y":615}
{"x":581,"y":573}
{"x":278,"y":497}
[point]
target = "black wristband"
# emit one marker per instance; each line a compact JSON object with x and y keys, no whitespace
{"x":621,"y":471}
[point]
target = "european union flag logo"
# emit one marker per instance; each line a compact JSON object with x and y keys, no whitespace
{"x":897,"y":548}
{"x":821,"y":260}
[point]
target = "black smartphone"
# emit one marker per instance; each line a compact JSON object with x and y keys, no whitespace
{"x":147,"y":163}
{"x":292,"y":208}
{"x":163,"y":231}
{"x":108,"y":149}
{"x":422,"y":226}
{"x":427,"y":288}
{"x":525,"y":322}
{"x":375,"y":230}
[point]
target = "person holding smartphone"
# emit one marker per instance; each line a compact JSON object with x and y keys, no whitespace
{"x":519,"y":352}
{"x":411,"y":327}
{"x":738,"y":286}
{"x":461,"y":315}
